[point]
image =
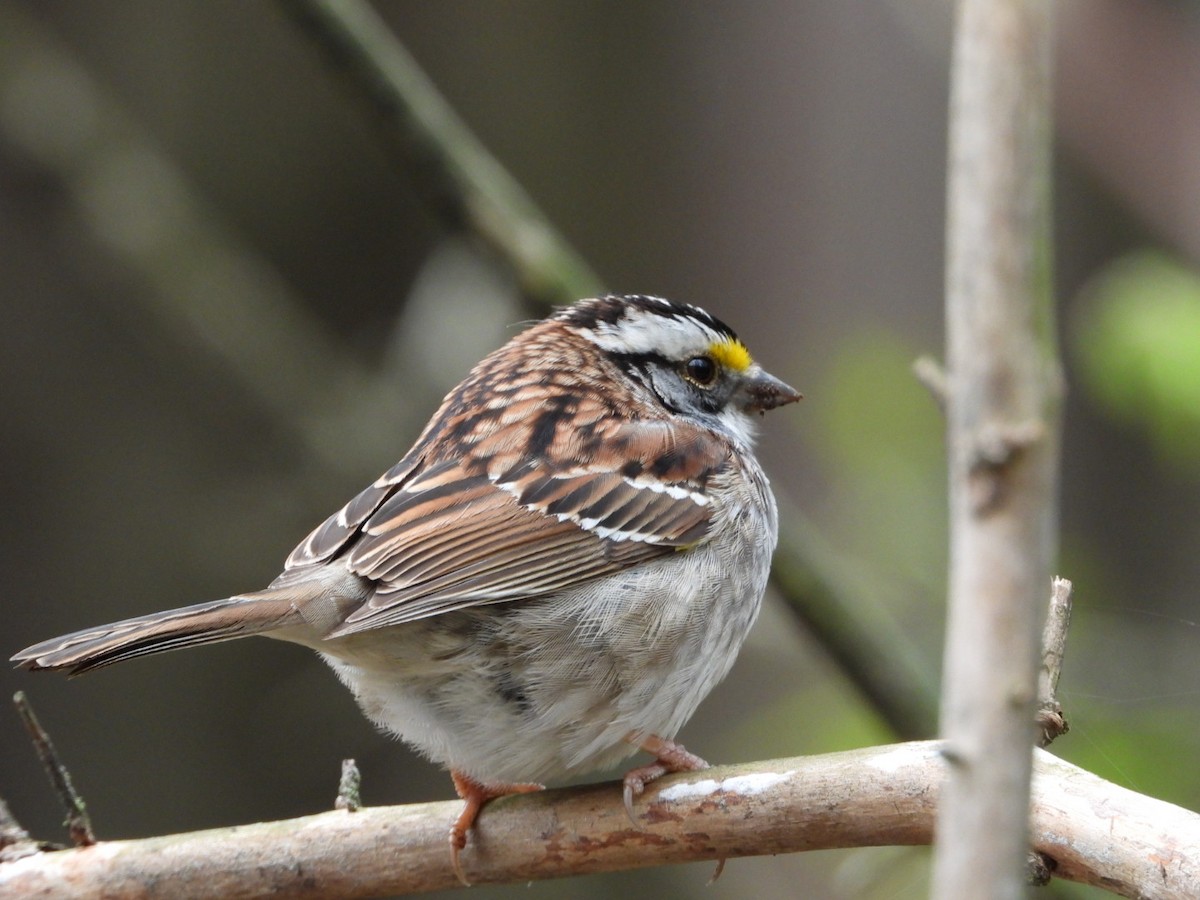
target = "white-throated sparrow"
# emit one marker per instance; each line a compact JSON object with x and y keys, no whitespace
{"x":554,"y":576}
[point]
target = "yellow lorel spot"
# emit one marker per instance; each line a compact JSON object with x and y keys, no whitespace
{"x":732,"y":354}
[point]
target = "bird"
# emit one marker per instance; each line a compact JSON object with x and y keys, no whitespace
{"x":559,"y":571}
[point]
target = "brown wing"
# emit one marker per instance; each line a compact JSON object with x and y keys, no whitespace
{"x":445,"y":537}
{"x":332,"y":536}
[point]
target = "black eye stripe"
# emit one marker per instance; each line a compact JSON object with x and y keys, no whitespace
{"x":629,"y":361}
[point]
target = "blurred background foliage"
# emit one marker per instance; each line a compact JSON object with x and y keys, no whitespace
{"x":225,"y":308}
{"x":1138,"y":354}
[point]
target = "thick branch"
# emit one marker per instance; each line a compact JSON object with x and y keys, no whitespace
{"x":1001,"y":406}
{"x":1091,"y":830}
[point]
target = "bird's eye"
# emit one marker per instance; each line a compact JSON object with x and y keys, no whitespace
{"x":701,"y":371}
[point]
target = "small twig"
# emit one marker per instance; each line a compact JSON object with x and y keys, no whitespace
{"x":1039,"y":869}
{"x":11,"y":831}
{"x":1049,"y":718}
{"x":995,"y":449}
{"x":932,"y":375}
{"x":1054,"y":638}
{"x":15,"y":842}
{"x":348,"y":796}
{"x":79,"y":827}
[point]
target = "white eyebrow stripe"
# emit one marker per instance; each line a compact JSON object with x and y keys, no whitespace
{"x":640,"y":332}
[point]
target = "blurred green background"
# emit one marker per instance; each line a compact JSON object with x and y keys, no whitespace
{"x":223,"y":309}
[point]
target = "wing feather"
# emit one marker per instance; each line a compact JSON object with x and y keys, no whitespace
{"x":443,"y":531}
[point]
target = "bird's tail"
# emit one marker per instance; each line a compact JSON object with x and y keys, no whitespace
{"x":190,"y":626}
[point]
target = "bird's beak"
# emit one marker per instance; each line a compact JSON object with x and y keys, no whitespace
{"x":762,"y":391}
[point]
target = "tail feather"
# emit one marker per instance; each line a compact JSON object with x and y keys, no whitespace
{"x":190,"y":626}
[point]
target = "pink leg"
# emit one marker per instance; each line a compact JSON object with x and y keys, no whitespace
{"x":475,"y":796}
{"x":668,"y":757}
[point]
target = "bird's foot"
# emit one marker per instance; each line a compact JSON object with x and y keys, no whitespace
{"x":475,"y":794}
{"x":668,"y":757}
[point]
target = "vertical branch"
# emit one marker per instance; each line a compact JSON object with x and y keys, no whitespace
{"x":79,"y":826}
{"x":1050,"y":721}
{"x":1001,"y":406}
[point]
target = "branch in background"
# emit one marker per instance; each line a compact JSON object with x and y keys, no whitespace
{"x":79,"y":826}
{"x":857,"y":630}
{"x":203,"y":287}
{"x":463,"y":182}
{"x":874,"y":797}
{"x":1049,"y":717}
{"x":1002,"y":398}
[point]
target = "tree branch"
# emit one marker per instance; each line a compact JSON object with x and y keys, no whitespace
{"x":460,"y":178}
{"x":1002,"y":422}
{"x":1091,"y":831}
{"x":203,"y":286}
{"x":856,"y":628}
